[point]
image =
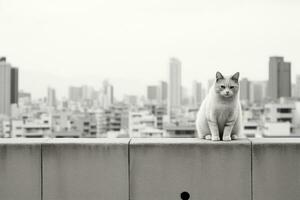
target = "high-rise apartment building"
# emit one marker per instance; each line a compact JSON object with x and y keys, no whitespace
{"x":279,"y":84}
{"x":298,"y":86}
{"x":14,"y":85}
{"x":75,"y":93}
{"x":174,"y":90}
{"x":107,"y":94}
{"x":152,"y":93}
{"x":8,"y":86}
{"x":51,"y":97}
{"x":244,"y":89}
{"x":257,"y":91}
{"x":162,"y":92}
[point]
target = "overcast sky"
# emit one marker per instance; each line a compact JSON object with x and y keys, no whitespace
{"x":67,"y":42}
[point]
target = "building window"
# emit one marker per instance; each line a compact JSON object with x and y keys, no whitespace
{"x":250,"y":127}
{"x":284,"y":120}
{"x":284,"y":110}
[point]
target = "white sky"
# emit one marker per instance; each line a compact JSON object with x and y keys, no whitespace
{"x":62,"y":42}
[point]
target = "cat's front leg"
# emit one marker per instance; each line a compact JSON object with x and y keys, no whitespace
{"x":228,"y":129}
{"x":213,"y":126}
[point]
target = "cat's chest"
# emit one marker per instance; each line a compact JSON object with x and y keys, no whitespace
{"x":223,"y":111}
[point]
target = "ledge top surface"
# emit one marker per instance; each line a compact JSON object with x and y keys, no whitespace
{"x":161,"y":141}
{"x":64,"y":141}
{"x":4,"y":141}
{"x":275,"y":140}
{"x":151,"y":141}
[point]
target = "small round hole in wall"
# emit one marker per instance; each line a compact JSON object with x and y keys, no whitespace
{"x":185,"y":195}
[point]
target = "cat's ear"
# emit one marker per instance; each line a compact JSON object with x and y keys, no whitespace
{"x":235,"y":77}
{"x":219,"y":76}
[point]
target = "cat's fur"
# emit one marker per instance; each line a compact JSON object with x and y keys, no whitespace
{"x":219,"y":116}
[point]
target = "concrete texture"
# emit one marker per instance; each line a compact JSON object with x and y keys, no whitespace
{"x":162,"y":169}
{"x":20,"y":169}
{"x":276,"y":169}
{"x":85,"y":169}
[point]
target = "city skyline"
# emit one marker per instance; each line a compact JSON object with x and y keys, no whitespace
{"x":59,"y":44}
{"x":189,"y":90}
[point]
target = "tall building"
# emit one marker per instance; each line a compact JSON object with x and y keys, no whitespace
{"x":298,"y":86}
{"x":88,"y":92}
{"x":162,"y":92}
{"x":75,"y":93}
{"x":174,"y":90}
{"x":51,"y":97}
{"x":185,"y":96}
{"x":244,"y":89}
{"x":196,"y":93}
{"x":257,"y":91}
{"x":279,"y":84}
{"x":152,"y":93}
{"x":107,"y":94}
{"x":14,"y":82}
{"x":8,"y":86}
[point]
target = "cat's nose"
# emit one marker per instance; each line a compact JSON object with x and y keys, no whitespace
{"x":227,"y":92}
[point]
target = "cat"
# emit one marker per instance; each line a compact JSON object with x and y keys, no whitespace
{"x":220,"y":114}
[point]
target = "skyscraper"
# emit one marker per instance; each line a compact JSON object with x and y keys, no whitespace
{"x":14,"y":89}
{"x":196,"y":93}
{"x":75,"y":93}
{"x":162,"y":92}
{"x":152,"y":93}
{"x":51,"y":97}
{"x":8,"y":86}
{"x":298,"y":86}
{"x":279,"y":84}
{"x":256,"y":92}
{"x":107,"y":94}
{"x":244,"y":89}
{"x":185,"y":97}
{"x":174,"y":90}
{"x":88,"y":92}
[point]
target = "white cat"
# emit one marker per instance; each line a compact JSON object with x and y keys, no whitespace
{"x":219,"y":115}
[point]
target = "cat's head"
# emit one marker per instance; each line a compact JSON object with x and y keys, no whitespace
{"x":227,"y":87}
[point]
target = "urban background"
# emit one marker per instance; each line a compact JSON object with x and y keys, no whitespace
{"x":271,"y":108}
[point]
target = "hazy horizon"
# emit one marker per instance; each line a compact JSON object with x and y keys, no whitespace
{"x":62,"y":43}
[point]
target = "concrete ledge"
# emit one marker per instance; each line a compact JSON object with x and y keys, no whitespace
{"x":20,"y":169}
{"x":147,"y":169}
{"x":276,"y":169}
{"x":85,"y":169}
{"x":164,"y":168}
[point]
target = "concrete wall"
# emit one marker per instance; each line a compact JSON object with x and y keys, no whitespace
{"x":89,"y":169}
{"x":163,"y":169}
{"x":276,"y":169}
{"x":148,"y":169}
{"x":20,"y":169}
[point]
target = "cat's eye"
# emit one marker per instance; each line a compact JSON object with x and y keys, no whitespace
{"x":231,"y":87}
{"x":223,"y":86}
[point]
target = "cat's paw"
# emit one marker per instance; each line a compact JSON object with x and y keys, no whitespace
{"x":235,"y":137}
{"x":207,"y":137}
{"x":226,"y":138}
{"x":215,"y":138}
